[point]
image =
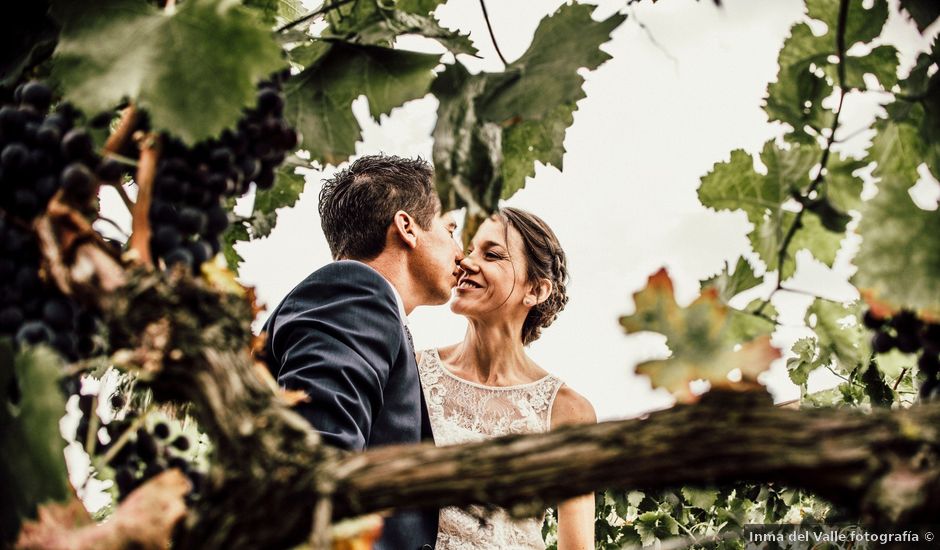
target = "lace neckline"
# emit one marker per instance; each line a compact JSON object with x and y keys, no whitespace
{"x":440,"y":363}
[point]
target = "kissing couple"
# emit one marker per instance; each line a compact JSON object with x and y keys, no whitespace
{"x":342,"y":337}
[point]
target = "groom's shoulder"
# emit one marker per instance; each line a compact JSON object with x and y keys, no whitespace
{"x":348,"y":273}
{"x":342,"y":280}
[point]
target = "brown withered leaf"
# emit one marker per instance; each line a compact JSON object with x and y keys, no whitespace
{"x":143,"y":521}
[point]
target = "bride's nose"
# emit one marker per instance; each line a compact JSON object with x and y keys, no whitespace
{"x":468,"y":265}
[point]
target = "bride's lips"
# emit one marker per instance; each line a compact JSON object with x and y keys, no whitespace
{"x":466,"y":283}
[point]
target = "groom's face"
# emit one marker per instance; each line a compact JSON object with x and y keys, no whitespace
{"x":438,"y":259}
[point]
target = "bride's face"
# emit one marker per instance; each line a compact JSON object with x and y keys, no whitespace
{"x":494,"y":274}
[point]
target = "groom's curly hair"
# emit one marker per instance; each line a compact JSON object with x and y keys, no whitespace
{"x":545,"y":260}
{"x":358,"y":204}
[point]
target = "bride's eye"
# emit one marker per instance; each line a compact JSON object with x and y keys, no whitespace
{"x":493,"y":256}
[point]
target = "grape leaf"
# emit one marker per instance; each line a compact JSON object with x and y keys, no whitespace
{"x":735,"y":185}
{"x":861,"y":24}
{"x":286,"y":190}
{"x":32,"y":470}
{"x":878,"y":392}
{"x":319,"y":99}
{"x":842,"y":189}
{"x":745,"y":325}
{"x":806,"y":75}
{"x":882,"y":62}
{"x":700,"y":498}
{"x":423,"y":7}
{"x":899,"y":258}
{"x":236,"y":232}
{"x":367,"y":22}
{"x":467,"y":152}
{"x":493,"y":127}
{"x":805,"y":361}
{"x":699,"y":336}
{"x":841,"y":343}
{"x":796,"y":96}
{"x":731,"y":283}
{"x":923,"y":12}
{"x":267,"y":9}
{"x":530,"y":141}
{"x":654,"y":526}
{"x":384,"y":32}
{"x":547,"y":73}
{"x":127,"y":48}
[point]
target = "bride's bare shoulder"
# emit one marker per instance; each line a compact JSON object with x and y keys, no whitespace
{"x":571,"y":407}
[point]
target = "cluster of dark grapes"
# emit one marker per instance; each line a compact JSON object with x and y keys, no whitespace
{"x":42,"y":153}
{"x":187,"y":215}
{"x":909,"y":334}
{"x":144,"y":454}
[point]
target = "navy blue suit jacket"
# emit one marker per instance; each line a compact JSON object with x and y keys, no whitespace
{"x":339,"y":337}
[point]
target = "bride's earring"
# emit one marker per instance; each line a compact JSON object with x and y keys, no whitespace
{"x":529,"y":302}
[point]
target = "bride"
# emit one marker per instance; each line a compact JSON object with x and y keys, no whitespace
{"x":513,"y":285}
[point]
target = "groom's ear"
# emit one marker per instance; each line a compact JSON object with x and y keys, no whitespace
{"x":403,"y":227}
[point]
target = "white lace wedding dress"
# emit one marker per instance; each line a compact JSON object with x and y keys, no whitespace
{"x":462,"y":411}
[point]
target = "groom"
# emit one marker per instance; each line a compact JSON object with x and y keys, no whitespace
{"x":341,"y":335}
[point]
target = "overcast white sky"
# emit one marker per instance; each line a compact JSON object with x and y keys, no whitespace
{"x":656,"y":118}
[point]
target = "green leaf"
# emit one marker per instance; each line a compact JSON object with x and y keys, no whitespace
{"x":423,"y":7}
{"x":167,"y":64}
{"x":467,"y":152}
{"x":804,"y":362}
{"x":744,"y":326}
{"x":547,"y":73}
{"x":32,"y":463}
{"x":878,"y":392}
{"x":700,"y":498}
{"x":286,"y":190}
{"x":735,"y":185}
{"x":267,"y":9}
{"x":731,"y":283}
{"x":289,"y":10}
{"x":530,"y":141}
{"x":841,"y":188}
{"x":319,"y":99}
{"x":815,"y":237}
{"x":397,"y":23}
{"x":861,"y":24}
{"x":235,"y":233}
{"x":899,"y":258}
{"x":841,"y":337}
{"x":923,"y":12}
{"x":882,"y":62}
{"x":796,"y":96}
{"x":635,"y":498}
{"x":309,"y":53}
{"x":655,"y":526}
{"x":493,"y":127}
{"x":372,"y":23}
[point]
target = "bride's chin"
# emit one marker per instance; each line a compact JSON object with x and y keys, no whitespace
{"x":458,"y":306}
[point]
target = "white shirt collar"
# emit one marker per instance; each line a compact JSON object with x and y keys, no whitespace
{"x":401,"y":304}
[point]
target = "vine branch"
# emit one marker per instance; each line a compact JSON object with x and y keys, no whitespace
{"x":146,"y":171}
{"x":307,"y":17}
{"x":824,"y":160}
{"x":489,"y":27}
{"x":125,"y":129}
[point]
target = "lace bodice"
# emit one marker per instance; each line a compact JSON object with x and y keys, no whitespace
{"x":462,"y":411}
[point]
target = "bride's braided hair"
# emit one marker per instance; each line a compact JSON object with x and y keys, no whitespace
{"x":546,"y":260}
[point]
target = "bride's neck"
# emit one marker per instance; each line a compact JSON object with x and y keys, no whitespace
{"x":492,"y":353}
